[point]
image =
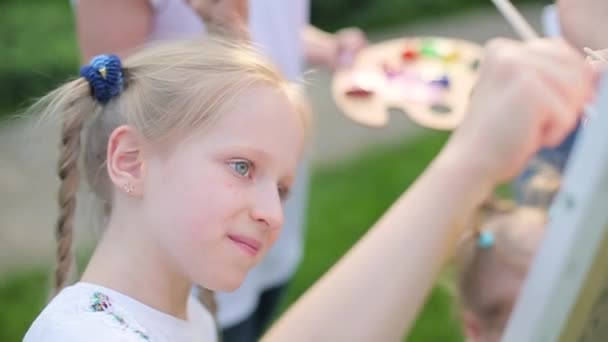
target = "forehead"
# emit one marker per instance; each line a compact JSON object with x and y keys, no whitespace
{"x":261,"y":118}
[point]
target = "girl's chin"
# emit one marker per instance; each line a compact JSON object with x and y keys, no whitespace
{"x":225,"y":284}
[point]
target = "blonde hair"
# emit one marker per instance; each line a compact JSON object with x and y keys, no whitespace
{"x":513,"y":245}
{"x":168,"y":88}
{"x":540,"y":189}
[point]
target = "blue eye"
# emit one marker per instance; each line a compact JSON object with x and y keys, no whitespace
{"x":242,"y":167}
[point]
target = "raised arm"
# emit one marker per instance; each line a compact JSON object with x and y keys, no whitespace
{"x":527,"y":96}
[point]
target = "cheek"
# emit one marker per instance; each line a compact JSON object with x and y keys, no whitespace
{"x":274,"y":235}
{"x":271,"y":239}
{"x":199,"y":202}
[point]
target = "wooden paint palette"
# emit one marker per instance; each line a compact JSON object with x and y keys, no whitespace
{"x":428,"y":78}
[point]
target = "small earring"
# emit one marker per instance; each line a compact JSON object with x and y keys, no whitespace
{"x":128,"y":188}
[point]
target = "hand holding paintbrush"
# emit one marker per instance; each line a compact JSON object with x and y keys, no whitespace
{"x":525,"y":30}
{"x":527,"y":33}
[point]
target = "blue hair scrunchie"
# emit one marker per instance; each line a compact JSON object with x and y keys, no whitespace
{"x":104,"y":74}
{"x":485,"y":240}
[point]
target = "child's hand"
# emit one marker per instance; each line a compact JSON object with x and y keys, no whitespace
{"x":529,"y":95}
{"x":230,"y":16}
{"x":349,"y":41}
{"x":333,"y":50}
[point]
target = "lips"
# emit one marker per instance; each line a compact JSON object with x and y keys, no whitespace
{"x":247,"y":244}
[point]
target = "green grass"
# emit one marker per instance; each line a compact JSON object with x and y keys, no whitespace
{"x":21,"y":298}
{"x":37,"y":33}
{"x":38,"y":50}
{"x":344,"y":202}
{"x":374,"y":14}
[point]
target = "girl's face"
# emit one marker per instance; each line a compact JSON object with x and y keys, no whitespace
{"x":500,"y":292}
{"x":500,"y":284}
{"x":215,"y":202}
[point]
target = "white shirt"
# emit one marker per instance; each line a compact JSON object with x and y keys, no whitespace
{"x":88,"y":312}
{"x":275,"y":25}
{"x":550,"y":20}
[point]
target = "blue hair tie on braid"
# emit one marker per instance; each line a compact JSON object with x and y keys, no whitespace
{"x":104,"y":74}
{"x":485,"y":240}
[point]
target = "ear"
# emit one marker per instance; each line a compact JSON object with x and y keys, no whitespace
{"x":471,"y":326}
{"x":125,"y":162}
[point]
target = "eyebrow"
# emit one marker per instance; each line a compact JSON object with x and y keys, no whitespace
{"x":252,"y":150}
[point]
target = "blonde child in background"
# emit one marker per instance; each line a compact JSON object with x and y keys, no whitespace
{"x":493,"y":262}
{"x":194,"y":146}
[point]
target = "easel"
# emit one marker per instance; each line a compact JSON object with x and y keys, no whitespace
{"x":565,"y":297}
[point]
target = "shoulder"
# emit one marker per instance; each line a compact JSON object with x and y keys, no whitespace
{"x":201,"y":317}
{"x":52,"y":326}
{"x":72,"y":316}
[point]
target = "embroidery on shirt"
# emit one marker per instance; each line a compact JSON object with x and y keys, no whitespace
{"x":101,"y":303}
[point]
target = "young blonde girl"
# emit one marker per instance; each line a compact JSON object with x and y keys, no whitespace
{"x":194,"y":145}
{"x":143,"y":120}
{"x":493,"y":262}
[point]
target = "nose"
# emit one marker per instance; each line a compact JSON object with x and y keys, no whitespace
{"x":267,"y":207}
